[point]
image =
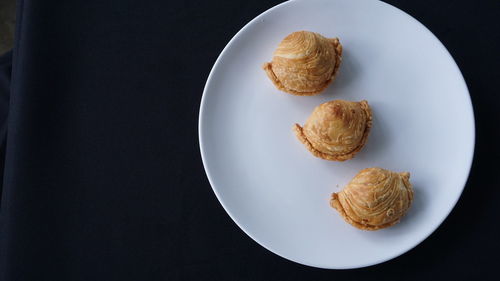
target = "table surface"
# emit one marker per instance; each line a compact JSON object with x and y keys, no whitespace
{"x":103,"y":178}
{"x":7,"y":23}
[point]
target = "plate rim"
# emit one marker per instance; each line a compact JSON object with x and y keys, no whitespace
{"x":417,"y":242}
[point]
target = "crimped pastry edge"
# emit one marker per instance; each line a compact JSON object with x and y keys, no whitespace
{"x":335,"y":203}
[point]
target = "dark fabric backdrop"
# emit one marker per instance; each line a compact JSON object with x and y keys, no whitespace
{"x":103,"y":179}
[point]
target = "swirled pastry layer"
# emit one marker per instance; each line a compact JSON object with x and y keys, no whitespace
{"x":304,"y":63}
{"x":336,"y":130}
{"x":374,"y":199}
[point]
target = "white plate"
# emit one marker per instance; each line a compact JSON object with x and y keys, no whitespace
{"x":276,"y":191}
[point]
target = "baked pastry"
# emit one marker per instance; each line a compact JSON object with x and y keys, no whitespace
{"x":336,"y":130}
{"x":374,"y":199}
{"x":304,"y":63}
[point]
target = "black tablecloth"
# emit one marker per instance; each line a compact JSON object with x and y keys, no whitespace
{"x":102,"y":174}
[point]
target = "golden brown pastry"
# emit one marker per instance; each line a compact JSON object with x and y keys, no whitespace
{"x":336,"y":130}
{"x":304,"y":63}
{"x":374,"y":199}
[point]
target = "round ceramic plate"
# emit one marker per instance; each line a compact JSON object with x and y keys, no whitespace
{"x":276,"y":191}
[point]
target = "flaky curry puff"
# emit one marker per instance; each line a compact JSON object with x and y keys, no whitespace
{"x":336,"y":130}
{"x":374,"y":199}
{"x":304,"y":63}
